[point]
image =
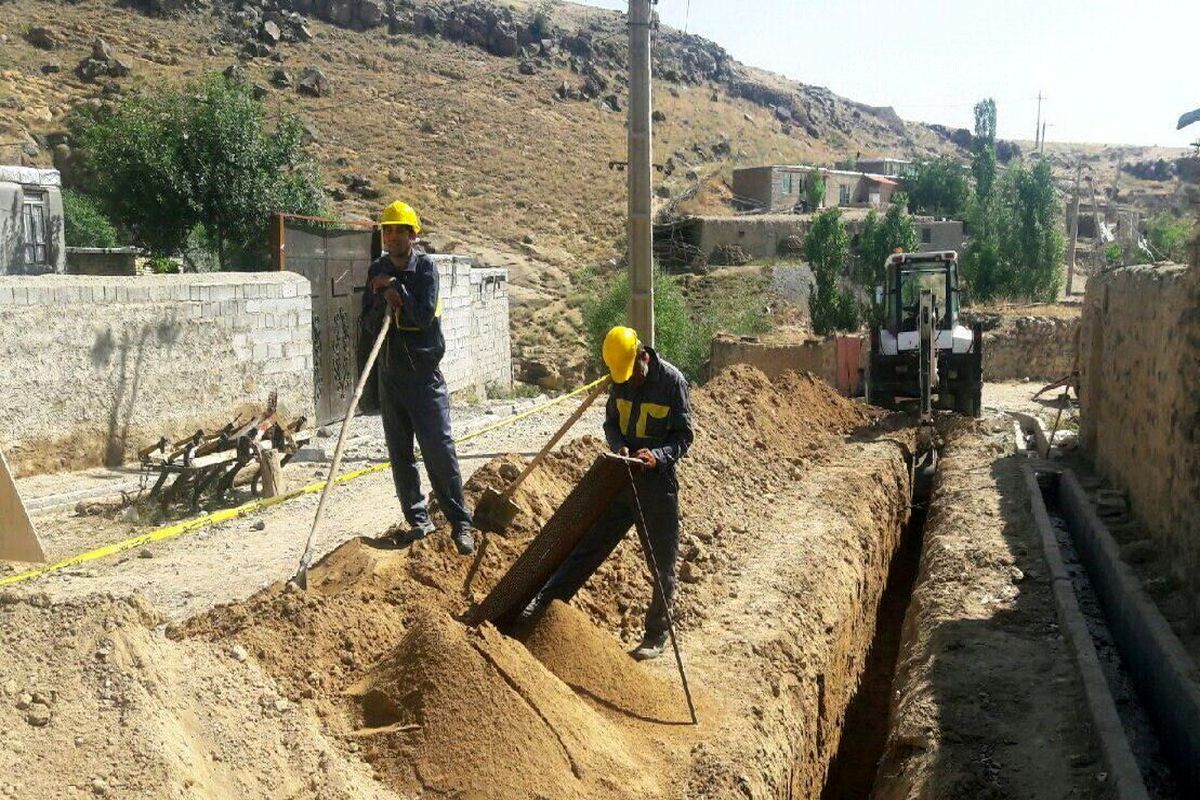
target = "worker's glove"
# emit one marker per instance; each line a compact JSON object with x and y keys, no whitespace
{"x":647,"y":458}
{"x":395,"y":298}
{"x":380,"y":282}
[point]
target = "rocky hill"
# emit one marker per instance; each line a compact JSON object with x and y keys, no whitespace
{"x":498,"y":122}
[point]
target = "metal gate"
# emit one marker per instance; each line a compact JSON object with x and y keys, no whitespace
{"x":334,"y":255}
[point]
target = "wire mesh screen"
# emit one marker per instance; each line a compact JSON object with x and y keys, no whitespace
{"x":601,"y":484}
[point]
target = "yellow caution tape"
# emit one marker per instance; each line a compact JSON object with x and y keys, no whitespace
{"x":217,"y":517}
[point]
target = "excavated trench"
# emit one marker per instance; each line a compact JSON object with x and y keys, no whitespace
{"x":852,"y":771}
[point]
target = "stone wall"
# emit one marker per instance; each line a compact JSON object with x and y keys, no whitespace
{"x":1019,"y":347}
{"x":96,"y":367}
{"x":475,"y":323}
{"x":1140,"y":400}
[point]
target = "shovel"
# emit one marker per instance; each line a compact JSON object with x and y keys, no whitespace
{"x":496,"y":510}
{"x":301,"y":576}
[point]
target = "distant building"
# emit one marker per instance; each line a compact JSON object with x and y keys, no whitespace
{"x":891,"y":167}
{"x":31,"y":221}
{"x":781,"y":188}
{"x":692,"y":240}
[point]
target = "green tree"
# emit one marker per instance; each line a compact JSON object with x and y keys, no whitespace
{"x":827,"y":248}
{"x":1168,"y":236}
{"x":683,"y":337}
{"x":1017,"y":247}
{"x":938,"y":187}
{"x":1031,"y":242}
{"x":204,"y":155}
{"x":814,"y":190}
{"x":983,"y":148}
{"x":84,"y":224}
{"x":882,"y":235}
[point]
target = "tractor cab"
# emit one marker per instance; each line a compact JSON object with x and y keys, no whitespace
{"x":918,"y":348}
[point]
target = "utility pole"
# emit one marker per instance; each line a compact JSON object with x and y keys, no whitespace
{"x":1042,"y":145}
{"x":641,"y":265}
{"x":1037,"y":127}
{"x":1074,"y":233}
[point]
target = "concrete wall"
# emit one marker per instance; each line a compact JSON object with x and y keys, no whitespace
{"x":1140,"y":397}
{"x":102,"y":260}
{"x":942,"y":235}
{"x":97,"y":367}
{"x":475,"y":324}
{"x":752,"y":187}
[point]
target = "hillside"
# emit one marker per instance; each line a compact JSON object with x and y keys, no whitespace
{"x":498,"y":122}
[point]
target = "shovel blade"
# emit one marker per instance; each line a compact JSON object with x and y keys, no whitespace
{"x":494,"y":512}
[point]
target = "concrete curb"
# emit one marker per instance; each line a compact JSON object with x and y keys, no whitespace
{"x":1162,"y":670}
{"x":1118,"y":757}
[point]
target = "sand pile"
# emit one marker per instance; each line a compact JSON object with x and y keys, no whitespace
{"x":95,"y":703}
{"x":493,"y":722}
{"x":595,"y":665}
{"x":470,"y":713}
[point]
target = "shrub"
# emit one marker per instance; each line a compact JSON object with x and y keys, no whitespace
{"x":84,"y":224}
{"x":682,"y":335}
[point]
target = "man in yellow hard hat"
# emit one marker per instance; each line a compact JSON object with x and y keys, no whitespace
{"x":413,"y":398}
{"x":649,"y":416}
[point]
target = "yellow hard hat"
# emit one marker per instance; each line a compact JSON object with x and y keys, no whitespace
{"x":620,"y":352}
{"x":401,"y":213}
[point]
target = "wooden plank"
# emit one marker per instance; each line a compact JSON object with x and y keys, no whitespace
{"x":18,"y":539}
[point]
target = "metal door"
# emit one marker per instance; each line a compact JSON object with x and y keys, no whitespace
{"x":334,"y":255}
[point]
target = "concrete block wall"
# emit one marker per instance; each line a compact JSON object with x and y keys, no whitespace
{"x":475,"y":324}
{"x":95,"y":367}
{"x":1140,"y":401}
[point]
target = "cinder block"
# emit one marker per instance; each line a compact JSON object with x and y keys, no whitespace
{"x":6,"y":295}
{"x":195,"y":292}
{"x":261,"y":351}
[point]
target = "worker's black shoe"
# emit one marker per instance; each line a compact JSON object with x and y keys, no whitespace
{"x":415,"y":533}
{"x":464,"y":540}
{"x":652,"y":646}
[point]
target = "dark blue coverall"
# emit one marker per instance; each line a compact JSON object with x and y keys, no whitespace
{"x":657,"y":416}
{"x":413,"y":398}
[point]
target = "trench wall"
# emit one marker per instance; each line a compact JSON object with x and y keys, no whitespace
{"x":95,"y":367}
{"x":1140,"y":400}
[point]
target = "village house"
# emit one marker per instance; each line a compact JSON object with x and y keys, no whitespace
{"x":781,"y":188}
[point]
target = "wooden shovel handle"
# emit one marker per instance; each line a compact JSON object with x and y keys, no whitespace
{"x":571,"y":420}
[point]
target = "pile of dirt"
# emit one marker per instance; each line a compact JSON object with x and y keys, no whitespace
{"x":594,"y":665}
{"x":375,"y":618}
{"x":753,"y":437}
{"x":469,"y":712}
{"x":95,"y":702}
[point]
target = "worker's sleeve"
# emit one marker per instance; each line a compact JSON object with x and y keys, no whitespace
{"x":679,"y":427}
{"x":368,"y":297}
{"x":612,"y":425}
{"x":420,"y":296}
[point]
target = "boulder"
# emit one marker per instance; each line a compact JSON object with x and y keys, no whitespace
{"x":281,"y":78}
{"x":313,"y":83}
{"x":270,"y":33}
{"x":43,"y":38}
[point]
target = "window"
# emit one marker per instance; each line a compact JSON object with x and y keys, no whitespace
{"x":843,"y":195}
{"x":926,"y":235}
{"x":787,"y":183}
{"x":37,"y":252}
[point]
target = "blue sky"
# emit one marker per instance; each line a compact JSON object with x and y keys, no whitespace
{"x":1114,"y":72}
